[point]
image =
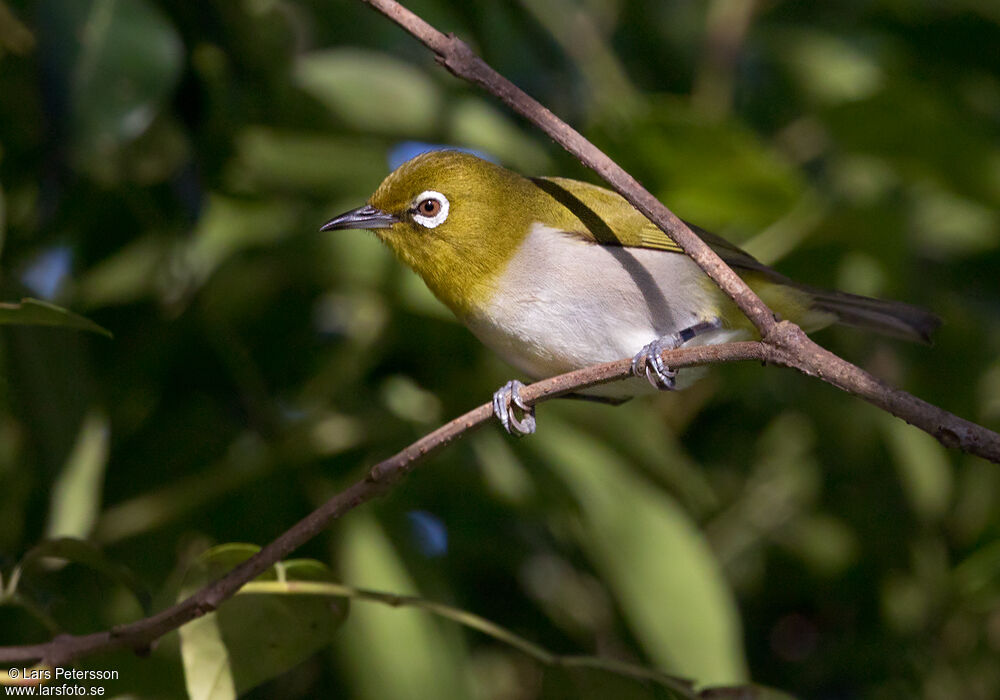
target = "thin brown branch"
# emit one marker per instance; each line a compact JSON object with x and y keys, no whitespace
{"x":788,"y":344}
{"x":140,"y":635}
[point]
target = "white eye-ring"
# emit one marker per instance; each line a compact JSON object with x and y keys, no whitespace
{"x":430,"y":208}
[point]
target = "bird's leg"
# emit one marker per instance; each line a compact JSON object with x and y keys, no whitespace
{"x":505,"y":400}
{"x":648,"y":362}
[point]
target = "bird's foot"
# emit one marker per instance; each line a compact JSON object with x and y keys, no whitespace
{"x":649,"y":363}
{"x":507,"y":403}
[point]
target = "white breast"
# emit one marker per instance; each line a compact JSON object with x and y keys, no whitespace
{"x":567,"y":303}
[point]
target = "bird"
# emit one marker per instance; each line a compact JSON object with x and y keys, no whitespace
{"x":555,"y":274}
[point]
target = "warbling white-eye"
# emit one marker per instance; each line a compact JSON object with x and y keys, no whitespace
{"x":556,"y":274}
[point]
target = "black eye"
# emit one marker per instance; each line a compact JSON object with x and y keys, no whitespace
{"x":429,"y":207}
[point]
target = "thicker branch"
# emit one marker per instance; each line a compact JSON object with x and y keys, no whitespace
{"x":789,"y":346}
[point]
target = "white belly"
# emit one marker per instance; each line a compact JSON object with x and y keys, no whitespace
{"x":567,"y":303}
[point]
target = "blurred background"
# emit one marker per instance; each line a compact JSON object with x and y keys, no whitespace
{"x":164,"y":168}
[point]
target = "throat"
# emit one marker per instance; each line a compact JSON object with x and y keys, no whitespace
{"x":463,"y":280}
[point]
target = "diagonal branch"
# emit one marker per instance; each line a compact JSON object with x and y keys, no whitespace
{"x":791,"y":346}
{"x":140,"y":635}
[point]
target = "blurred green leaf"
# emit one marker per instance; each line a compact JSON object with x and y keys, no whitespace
{"x":137,"y":270}
{"x":393,"y":654}
{"x":978,"y":576}
{"x":371,"y":91}
{"x":284,"y":160}
{"x":716,"y":174}
{"x":829,"y":68}
{"x":823,"y":542}
{"x":905,"y":604}
{"x":208,"y":673}
{"x":658,"y":453}
{"x":926,"y":138}
{"x":34,"y":312}
{"x":229,"y":226}
{"x":947,"y":225}
{"x":85,"y":554}
{"x":76,"y":494}
{"x":253,"y":637}
{"x":584,"y":36}
{"x":120,"y":58}
{"x":925,"y":471}
{"x":665,"y":578}
{"x":14,"y":35}
{"x":477,"y":124}
{"x":502,"y":471}
{"x":409,"y":401}
{"x":784,"y":480}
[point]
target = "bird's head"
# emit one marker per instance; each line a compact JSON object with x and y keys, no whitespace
{"x":454,"y":218}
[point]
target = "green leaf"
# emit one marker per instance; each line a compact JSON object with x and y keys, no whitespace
{"x":118,"y":59}
{"x":393,"y":654}
{"x":34,"y":312}
{"x":923,"y":465}
{"x":133,"y":272}
{"x":76,"y":494}
{"x":475,"y":123}
{"x":658,"y":564}
{"x":287,"y":160}
{"x":979,"y":574}
{"x":828,"y":68}
{"x":228,"y":226}
{"x":208,"y":673}
{"x":14,"y":36}
{"x":359,"y":85}
{"x":253,"y":637}
{"x":85,"y":554}
{"x":718,"y":175}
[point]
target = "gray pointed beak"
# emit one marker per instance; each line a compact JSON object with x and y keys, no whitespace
{"x":365,"y":217}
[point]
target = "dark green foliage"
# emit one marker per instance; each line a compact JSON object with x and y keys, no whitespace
{"x":164,"y":168}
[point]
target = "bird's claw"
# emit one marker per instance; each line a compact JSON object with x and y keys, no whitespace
{"x":649,"y":363}
{"x":507,"y":402}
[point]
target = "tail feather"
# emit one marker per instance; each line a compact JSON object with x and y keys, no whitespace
{"x":893,"y":318}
